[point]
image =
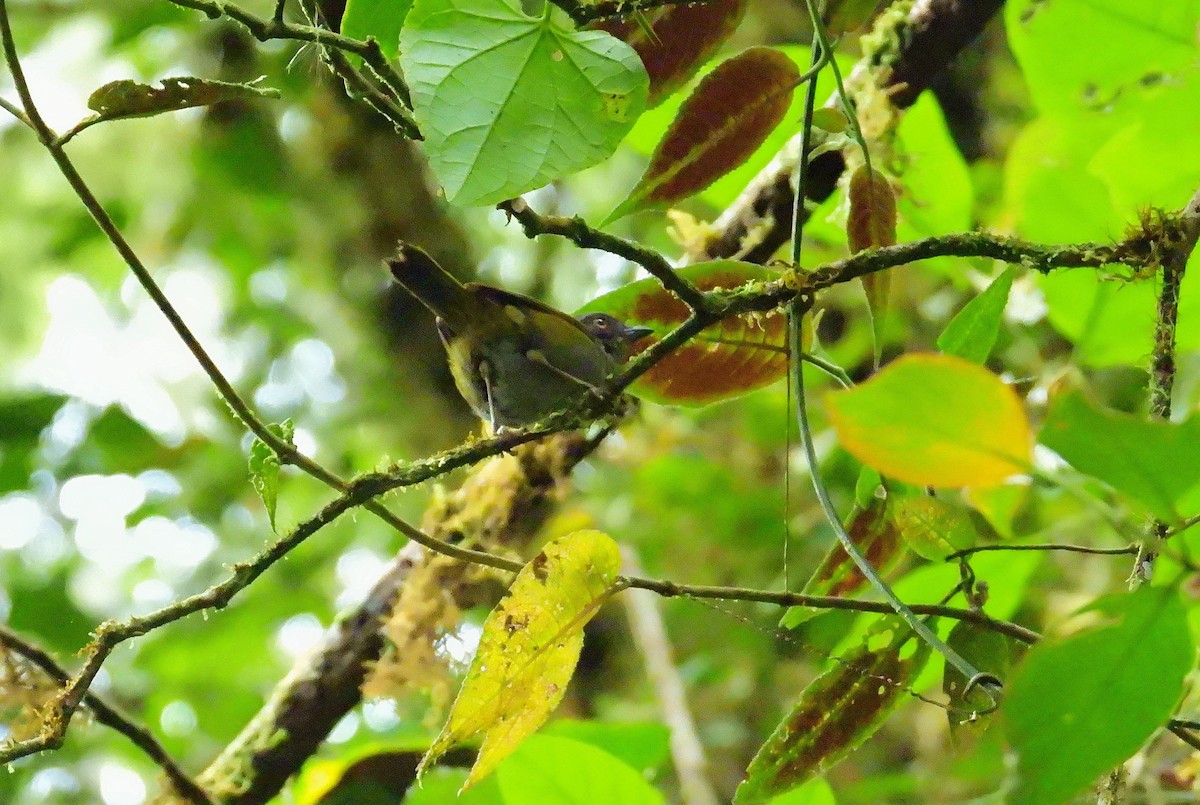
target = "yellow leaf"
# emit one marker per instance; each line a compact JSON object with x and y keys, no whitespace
{"x":529,"y":649}
{"x":934,"y":420}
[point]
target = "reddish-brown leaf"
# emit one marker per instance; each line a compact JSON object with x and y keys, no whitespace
{"x":719,"y":126}
{"x":873,"y":530}
{"x":730,"y":358}
{"x":684,"y":37}
{"x":872,"y":223}
{"x":837,"y":712}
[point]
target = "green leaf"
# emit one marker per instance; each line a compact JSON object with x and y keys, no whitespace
{"x":837,"y":712}
{"x":815,"y":792}
{"x":643,"y":745}
{"x":934,"y":420}
{"x":972,"y":333}
{"x":23,"y":418}
{"x":987,"y":650}
{"x":264,"y":467}
{"x":1080,"y":705}
{"x":933,"y":528}
{"x":530,"y":644}
{"x":1079,"y":54}
{"x":381,"y":19}
{"x":549,"y":769}
{"x":723,"y":121}
{"x":733,"y":357}
{"x":1155,"y":463}
{"x":509,"y":102}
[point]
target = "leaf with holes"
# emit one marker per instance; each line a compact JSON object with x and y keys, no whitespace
{"x":726,"y":118}
{"x":509,"y":102}
{"x":933,"y":528}
{"x":873,"y":530}
{"x":837,"y":712}
{"x":676,"y":40}
{"x":934,"y":420}
{"x":871,"y":224}
{"x":529,"y":648}
{"x":733,"y":357}
{"x":125,"y":98}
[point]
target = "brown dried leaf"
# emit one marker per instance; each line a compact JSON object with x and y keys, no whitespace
{"x":719,"y":126}
{"x":872,"y":223}
{"x":126,"y":98}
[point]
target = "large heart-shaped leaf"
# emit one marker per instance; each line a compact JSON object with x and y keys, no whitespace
{"x":734,"y":356}
{"x":508,"y":102}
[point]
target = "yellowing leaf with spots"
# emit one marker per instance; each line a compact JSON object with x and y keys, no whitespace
{"x":529,"y":649}
{"x":934,"y":420}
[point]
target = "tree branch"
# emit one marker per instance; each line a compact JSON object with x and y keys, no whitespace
{"x":1178,"y":250}
{"x":110,"y":716}
{"x":578,"y":232}
{"x":760,"y":220}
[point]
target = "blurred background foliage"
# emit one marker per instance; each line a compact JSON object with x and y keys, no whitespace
{"x":123,"y":480}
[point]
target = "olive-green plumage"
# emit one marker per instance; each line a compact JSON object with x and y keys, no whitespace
{"x":513,"y":358}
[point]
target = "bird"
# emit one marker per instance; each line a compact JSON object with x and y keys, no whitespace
{"x":514,"y":359}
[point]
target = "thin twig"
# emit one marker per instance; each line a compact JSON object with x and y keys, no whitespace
{"x":357,"y":84}
{"x":786,"y":599}
{"x":1183,"y":734}
{"x":582,"y":13}
{"x":1128,"y":550}
{"x":264,"y":30}
{"x":110,"y":716}
{"x":578,"y":232}
{"x":15,"y":112}
{"x":112,"y":633}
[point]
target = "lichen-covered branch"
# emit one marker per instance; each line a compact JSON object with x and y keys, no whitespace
{"x":108,"y":715}
{"x":929,"y":38}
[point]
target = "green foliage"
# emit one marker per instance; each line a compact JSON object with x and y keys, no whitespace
{"x":1155,"y":463}
{"x":1081,"y":704}
{"x":381,"y":19}
{"x":509,"y":102}
{"x":122,"y":474}
{"x":553,"y":769}
{"x":972,"y":333}
{"x":265,"y":467}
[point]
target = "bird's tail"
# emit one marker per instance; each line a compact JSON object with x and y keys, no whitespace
{"x":433,"y":286}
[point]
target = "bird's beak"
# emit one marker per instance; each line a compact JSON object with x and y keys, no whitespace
{"x":635,"y":334}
